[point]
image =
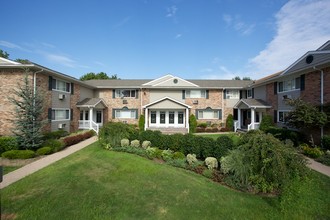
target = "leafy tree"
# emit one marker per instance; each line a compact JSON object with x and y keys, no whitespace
{"x":23,"y":61}
{"x":141,"y":122}
{"x":100,"y":75}
{"x":237,"y":78}
{"x":305,"y":115}
{"x":192,"y":123}
{"x":246,"y":78}
{"x":266,"y":122}
{"x":28,"y":114}
{"x":4,"y":54}
{"x":230,"y":122}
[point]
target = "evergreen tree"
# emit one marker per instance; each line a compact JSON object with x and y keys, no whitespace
{"x":28,"y":114}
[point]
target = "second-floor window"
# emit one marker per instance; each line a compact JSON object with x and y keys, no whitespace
{"x":61,"y":85}
{"x":125,"y":93}
{"x":232,"y":94}
{"x":289,"y":85}
{"x":249,"y":93}
{"x":195,"y":93}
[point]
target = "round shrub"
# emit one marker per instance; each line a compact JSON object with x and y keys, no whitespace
{"x":44,"y":151}
{"x":154,"y":152}
{"x":211,"y":163}
{"x":167,"y":154}
{"x":135,"y":143}
{"x":313,"y":152}
{"x":18,"y":154}
{"x":55,"y":134}
{"x":124,"y":143}
{"x":8,"y":143}
{"x":191,"y":159}
{"x":55,"y":145}
{"x":178,"y":155}
{"x":146,"y":144}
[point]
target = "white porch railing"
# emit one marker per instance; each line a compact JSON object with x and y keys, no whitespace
{"x":83,"y":124}
{"x":253,"y":126}
{"x":236,"y":125}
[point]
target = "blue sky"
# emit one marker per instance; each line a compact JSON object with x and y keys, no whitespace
{"x":146,"y":39}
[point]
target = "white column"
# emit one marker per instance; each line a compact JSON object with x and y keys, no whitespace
{"x":90,"y":117}
{"x":239,"y":117}
{"x":252,"y":117}
{"x":146,"y":117}
{"x":187,"y":118}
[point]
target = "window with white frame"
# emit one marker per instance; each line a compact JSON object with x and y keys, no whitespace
{"x":249,"y":93}
{"x":125,"y":114}
{"x":125,"y":93}
{"x":61,"y":85}
{"x":232,"y":94}
{"x":60,"y":114}
{"x":195,"y":93}
{"x":289,"y":85}
{"x":282,"y":116}
{"x":208,"y":114}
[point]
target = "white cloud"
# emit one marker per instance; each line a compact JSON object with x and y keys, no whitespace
{"x":171,"y":11}
{"x":63,"y":60}
{"x":237,"y":24}
{"x":301,"y":26}
{"x":9,"y":45}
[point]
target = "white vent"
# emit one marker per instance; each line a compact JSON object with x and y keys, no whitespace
{"x":60,"y":126}
{"x":195,"y":101}
{"x":61,"y":96}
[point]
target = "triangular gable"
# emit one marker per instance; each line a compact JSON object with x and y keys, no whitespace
{"x":167,"y":103}
{"x":325,"y":46}
{"x":170,"y":81}
{"x":308,"y":60}
{"x":251,"y":103}
{"x":92,"y":102}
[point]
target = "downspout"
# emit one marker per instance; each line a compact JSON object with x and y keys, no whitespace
{"x":34,"y":93}
{"x":321,"y":95}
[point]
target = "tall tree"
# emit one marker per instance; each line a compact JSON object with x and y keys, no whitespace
{"x":4,"y":54}
{"x":28,"y":114}
{"x":100,"y":75}
{"x":237,"y":78}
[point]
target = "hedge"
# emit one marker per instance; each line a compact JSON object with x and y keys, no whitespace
{"x":18,"y":154}
{"x":8,"y":143}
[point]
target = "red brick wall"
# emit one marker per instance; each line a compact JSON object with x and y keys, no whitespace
{"x":271,"y":98}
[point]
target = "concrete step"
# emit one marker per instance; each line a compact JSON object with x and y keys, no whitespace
{"x":170,"y":130}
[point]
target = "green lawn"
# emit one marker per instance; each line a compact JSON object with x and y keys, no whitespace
{"x":98,"y":184}
{"x":8,"y":169}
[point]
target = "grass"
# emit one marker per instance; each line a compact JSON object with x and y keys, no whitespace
{"x":8,"y":169}
{"x":98,"y":184}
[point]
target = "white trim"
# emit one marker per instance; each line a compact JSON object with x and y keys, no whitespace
{"x":166,"y":98}
{"x":10,"y":61}
{"x":93,"y":106}
{"x":170,"y":77}
{"x":250,"y":106}
{"x":152,"y":81}
{"x":324,"y":45}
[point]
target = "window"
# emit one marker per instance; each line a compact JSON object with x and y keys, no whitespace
{"x":162,"y":117}
{"x":282,"y":116}
{"x":153,"y":117}
{"x":171,"y":117}
{"x":180,"y":117}
{"x":60,"y":114}
{"x":98,"y":116}
{"x":289,"y":85}
{"x":195,"y":93}
{"x":208,"y":114}
{"x":61,"y":85}
{"x":125,"y":93}
{"x":232,"y":94}
{"x":249,"y":93}
{"x":127,"y":114}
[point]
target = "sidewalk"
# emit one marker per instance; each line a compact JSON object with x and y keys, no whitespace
{"x":43,"y":162}
{"x":318,"y":167}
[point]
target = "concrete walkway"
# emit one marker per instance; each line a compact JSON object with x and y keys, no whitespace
{"x":43,"y":162}
{"x":318,"y":167}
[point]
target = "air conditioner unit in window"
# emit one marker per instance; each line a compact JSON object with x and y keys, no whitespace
{"x":286,"y":97}
{"x":60,"y":126}
{"x":125,"y":101}
{"x":61,"y":96}
{"x":195,"y":101}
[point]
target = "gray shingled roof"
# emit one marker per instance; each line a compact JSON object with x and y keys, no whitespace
{"x":137,"y":83}
{"x":255,"y":103}
{"x":89,"y":102}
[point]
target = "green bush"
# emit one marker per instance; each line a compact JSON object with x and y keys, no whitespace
{"x":44,"y":151}
{"x":230,"y":122}
{"x":208,"y":173}
{"x":178,"y":155}
{"x":8,"y":143}
{"x":313,"y":152}
{"x":146,"y":144}
{"x":18,"y":154}
{"x":124,"y":142}
{"x":264,"y":162}
{"x":155,"y":137}
{"x":55,"y":134}
{"x":112,"y":133}
{"x":326,"y":142}
{"x":135,"y":143}
{"x":55,"y":145}
{"x":167,"y":154}
{"x":202,"y":125}
{"x":223,"y":144}
{"x":192,"y":123}
{"x":181,"y":163}
{"x":266,"y":122}
{"x":284,"y":134}
{"x":141,"y":123}
{"x":191,"y":159}
{"x":325,"y":159}
{"x":154,"y":152}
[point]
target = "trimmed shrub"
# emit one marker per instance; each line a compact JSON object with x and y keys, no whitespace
{"x":313,"y":152}
{"x":44,"y":151}
{"x":178,"y":155}
{"x":55,"y":134}
{"x":146,"y":144}
{"x":223,"y":144}
{"x":211,"y":163}
{"x":167,"y":154}
{"x":326,"y":142}
{"x":8,"y":143}
{"x":135,"y":143}
{"x":124,"y":142}
{"x":54,"y":145}
{"x":18,"y":154}
{"x":191,"y":159}
{"x":112,"y":133}
{"x":230,"y":122}
{"x":266,"y":122}
{"x":153,"y":137}
{"x":154,"y":152}
{"x":192,"y":123}
{"x":202,"y":125}
{"x":141,"y":122}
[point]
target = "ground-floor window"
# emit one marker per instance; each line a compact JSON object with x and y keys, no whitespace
{"x":98,"y":116}
{"x":153,"y":117}
{"x":208,"y":114}
{"x":282,"y":116}
{"x":164,"y":118}
{"x":60,"y":114}
{"x":125,"y":113}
